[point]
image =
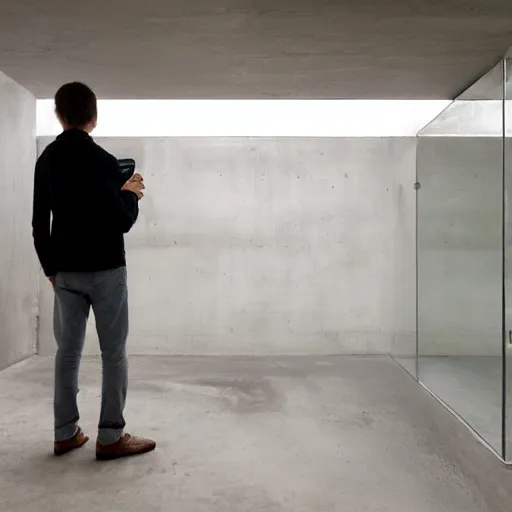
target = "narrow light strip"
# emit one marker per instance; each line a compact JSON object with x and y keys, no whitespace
{"x":253,"y":118}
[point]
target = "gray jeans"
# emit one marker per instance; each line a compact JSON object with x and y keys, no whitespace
{"x":75,"y":293}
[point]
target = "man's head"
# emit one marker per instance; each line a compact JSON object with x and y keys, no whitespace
{"x":75,"y":106}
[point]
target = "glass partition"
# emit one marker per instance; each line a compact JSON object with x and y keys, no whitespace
{"x":460,"y":257}
{"x":508,"y":258}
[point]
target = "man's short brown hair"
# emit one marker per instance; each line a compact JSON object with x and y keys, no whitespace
{"x":76,"y":104}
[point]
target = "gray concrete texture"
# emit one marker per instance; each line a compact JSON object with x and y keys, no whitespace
{"x":19,"y":274}
{"x":254,"y":49}
{"x":268,"y":246}
{"x":253,"y":434}
{"x":488,"y":87}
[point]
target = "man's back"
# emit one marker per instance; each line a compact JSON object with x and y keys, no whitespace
{"x":80,"y":184}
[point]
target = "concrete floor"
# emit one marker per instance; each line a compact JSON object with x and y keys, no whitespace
{"x":472,"y":387}
{"x":251,"y":434}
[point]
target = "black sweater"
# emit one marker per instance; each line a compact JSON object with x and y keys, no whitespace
{"x":78,"y":186}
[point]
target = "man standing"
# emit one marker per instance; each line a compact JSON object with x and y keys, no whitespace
{"x":78,"y":189}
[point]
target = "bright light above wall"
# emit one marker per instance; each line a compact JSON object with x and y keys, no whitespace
{"x":253,"y":118}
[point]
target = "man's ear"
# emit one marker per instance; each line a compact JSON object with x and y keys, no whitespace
{"x":59,"y":117}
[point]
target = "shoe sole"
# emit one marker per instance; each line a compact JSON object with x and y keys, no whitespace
{"x":60,"y":453}
{"x":120,"y":455}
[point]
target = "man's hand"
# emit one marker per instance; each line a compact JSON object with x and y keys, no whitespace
{"x":135,"y":184}
{"x":52,"y":280}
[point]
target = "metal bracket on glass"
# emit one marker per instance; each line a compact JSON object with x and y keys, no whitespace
{"x":417,"y":186}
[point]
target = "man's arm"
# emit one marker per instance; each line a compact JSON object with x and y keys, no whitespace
{"x":122,"y":206}
{"x":41,"y":217}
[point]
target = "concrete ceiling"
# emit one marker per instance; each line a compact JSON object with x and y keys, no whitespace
{"x":254,"y":48}
{"x":489,"y":87}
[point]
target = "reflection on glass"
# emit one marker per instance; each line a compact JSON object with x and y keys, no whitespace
{"x":459,"y":230}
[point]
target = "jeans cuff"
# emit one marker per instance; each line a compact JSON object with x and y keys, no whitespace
{"x":108,"y":436}
{"x":65,"y":433}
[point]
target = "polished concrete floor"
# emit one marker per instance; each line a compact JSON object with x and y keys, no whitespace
{"x":251,"y":434}
{"x":472,"y":387}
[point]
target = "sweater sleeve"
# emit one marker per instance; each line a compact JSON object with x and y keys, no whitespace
{"x":41,"y":218}
{"x":121,"y":206}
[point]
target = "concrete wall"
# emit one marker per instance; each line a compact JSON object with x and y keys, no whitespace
{"x":261,"y":246}
{"x":18,"y":264}
{"x":460,"y":246}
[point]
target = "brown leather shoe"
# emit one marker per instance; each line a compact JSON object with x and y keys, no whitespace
{"x":77,"y":441}
{"x":125,"y":447}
